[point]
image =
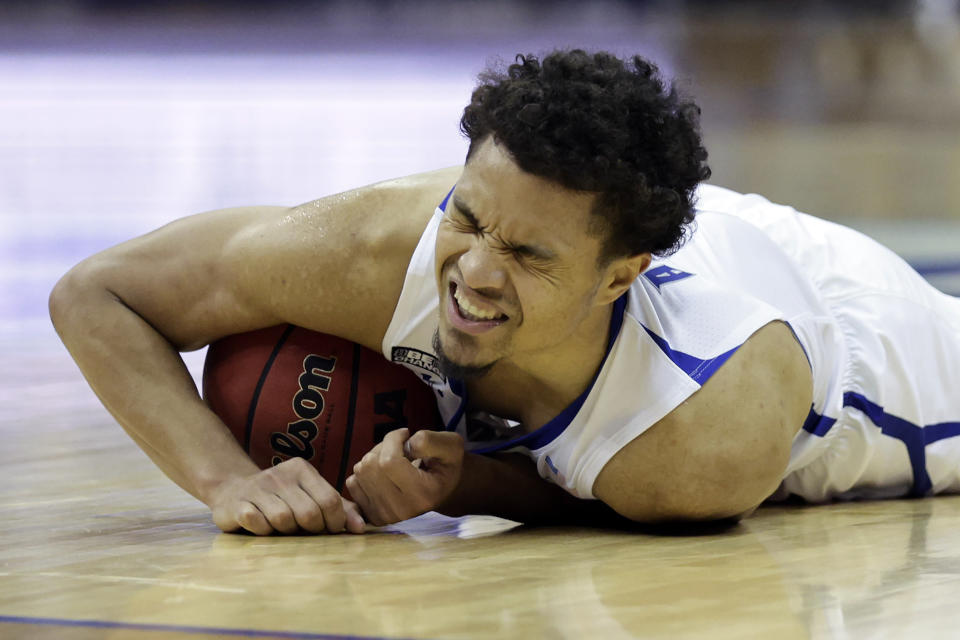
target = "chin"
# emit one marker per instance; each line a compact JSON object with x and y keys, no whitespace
{"x":458,"y":370}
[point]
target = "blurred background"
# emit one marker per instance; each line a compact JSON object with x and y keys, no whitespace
{"x":116,"y":117}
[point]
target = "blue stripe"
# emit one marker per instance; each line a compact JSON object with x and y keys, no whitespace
{"x":910,"y":434}
{"x":935,"y":432}
{"x":698,"y":369}
{"x":914,"y":437}
{"x":549,"y":432}
{"x":443,"y":205}
{"x":816,"y":424}
{"x":221,"y":631}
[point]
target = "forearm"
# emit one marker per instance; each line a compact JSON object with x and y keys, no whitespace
{"x":508,"y":486}
{"x":142,"y":381}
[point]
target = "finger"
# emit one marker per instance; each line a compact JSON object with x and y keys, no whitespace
{"x":392,"y":443}
{"x":326,"y":498}
{"x":276,"y":511}
{"x":252,"y":519}
{"x":445,"y":447}
{"x":360,"y":497}
{"x":302,"y":487}
{"x":307,"y":514}
{"x":354,"y":519}
{"x":225,"y":520}
{"x":371,"y":502}
{"x":394,"y":464}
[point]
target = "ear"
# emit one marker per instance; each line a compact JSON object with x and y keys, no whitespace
{"x":620,"y":274}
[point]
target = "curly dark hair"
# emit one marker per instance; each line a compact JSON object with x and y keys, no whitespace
{"x":593,"y":122}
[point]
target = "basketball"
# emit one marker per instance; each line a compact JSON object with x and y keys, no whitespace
{"x":287,"y":392}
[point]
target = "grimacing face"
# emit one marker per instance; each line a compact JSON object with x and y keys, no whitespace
{"x":516,"y":266}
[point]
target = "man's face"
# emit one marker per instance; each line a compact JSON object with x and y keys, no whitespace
{"x":516,"y":266}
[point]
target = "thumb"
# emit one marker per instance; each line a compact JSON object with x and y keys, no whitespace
{"x":444,"y":447}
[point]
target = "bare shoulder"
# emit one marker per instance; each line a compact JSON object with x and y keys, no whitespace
{"x":337,"y":264}
{"x":334,"y":265}
{"x":724,"y":450}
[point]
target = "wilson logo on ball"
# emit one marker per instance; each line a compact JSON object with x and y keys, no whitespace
{"x":308,"y":404}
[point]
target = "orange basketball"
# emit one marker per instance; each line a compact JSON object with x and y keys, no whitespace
{"x":285,"y":391}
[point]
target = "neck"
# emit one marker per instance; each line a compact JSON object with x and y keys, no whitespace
{"x":534,"y":389}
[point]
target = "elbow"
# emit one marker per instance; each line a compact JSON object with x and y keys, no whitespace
{"x":60,"y":300}
{"x":723,"y":493}
{"x":71,"y":291}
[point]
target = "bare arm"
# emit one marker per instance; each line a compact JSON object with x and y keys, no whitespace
{"x":334,"y":265}
{"x":447,"y":479}
{"x":716,"y":457}
{"x":125,"y":313}
{"x":507,"y":485}
{"x":722,"y":452}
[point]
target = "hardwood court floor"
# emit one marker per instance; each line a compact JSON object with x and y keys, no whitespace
{"x":96,"y":543}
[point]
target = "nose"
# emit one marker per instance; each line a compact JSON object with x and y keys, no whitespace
{"x":482,"y":268}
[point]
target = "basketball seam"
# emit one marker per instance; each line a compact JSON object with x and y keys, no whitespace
{"x":252,"y":411}
{"x":351,"y":414}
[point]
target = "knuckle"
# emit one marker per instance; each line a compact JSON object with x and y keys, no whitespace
{"x":269,"y":478}
{"x":329,"y":503}
{"x":281,"y":518}
{"x":297,"y":463}
{"x":248,"y":517}
{"x":392,"y":459}
{"x":311,"y":519}
{"x":284,"y":522}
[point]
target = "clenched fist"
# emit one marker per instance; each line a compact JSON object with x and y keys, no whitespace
{"x":288,"y":498}
{"x":406,"y":475}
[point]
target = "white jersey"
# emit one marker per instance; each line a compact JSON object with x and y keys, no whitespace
{"x":883,"y":347}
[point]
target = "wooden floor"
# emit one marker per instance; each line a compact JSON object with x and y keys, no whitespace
{"x":96,"y":543}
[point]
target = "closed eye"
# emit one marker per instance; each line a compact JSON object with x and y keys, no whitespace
{"x":530,"y":253}
{"x":464,"y":226}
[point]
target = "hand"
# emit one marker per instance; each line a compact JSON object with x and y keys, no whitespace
{"x":287,"y":498}
{"x":406,"y":475}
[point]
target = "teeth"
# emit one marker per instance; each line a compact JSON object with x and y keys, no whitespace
{"x":472,"y":312}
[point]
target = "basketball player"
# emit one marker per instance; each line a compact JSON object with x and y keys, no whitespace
{"x":595,"y":350}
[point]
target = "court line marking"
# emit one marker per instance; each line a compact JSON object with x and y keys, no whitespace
{"x":248,"y":633}
{"x":934,"y":267}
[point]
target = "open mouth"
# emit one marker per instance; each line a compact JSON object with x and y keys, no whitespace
{"x":466,"y":311}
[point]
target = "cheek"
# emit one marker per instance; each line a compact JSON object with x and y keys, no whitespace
{"x":542,"y":305}
{"x":446,"y":248}
{"x":551,"y":306}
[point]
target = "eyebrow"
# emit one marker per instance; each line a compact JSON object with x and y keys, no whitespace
{"x":465,"y":211}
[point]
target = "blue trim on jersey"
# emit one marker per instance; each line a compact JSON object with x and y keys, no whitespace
{"x":698,"y":369}
{"x":816,"y":424}
{"x":549,"y":432}
{"x":914,"y":437}
{"x":443,"y":205}
{"x":935,"y":432}
{"x":910,"y":434}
